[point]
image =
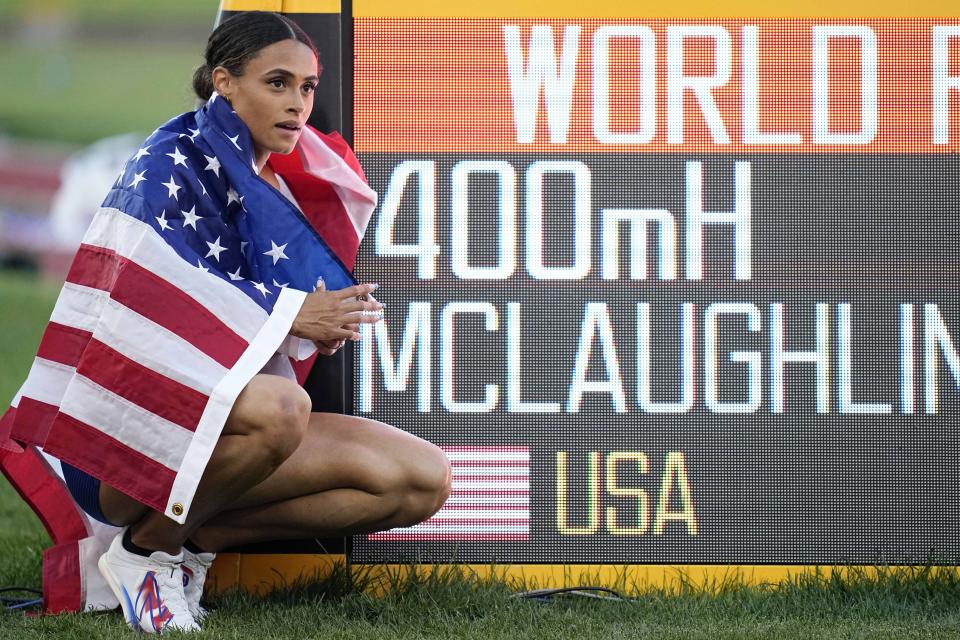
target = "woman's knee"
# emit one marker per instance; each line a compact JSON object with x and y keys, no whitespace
{"x":427,"y":487}
{"x":273,"y":410}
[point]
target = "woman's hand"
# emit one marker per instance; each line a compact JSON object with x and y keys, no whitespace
{"x":330,"y":347}
{"x":328,"y":317}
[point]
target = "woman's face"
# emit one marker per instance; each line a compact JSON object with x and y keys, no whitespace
{"x":274,"y":96}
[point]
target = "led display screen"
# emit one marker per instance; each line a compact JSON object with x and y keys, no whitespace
{"x":667,"y":290}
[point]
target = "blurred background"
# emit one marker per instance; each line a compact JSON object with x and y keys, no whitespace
{"x":82,"y":83}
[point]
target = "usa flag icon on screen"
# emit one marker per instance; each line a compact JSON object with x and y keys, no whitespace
{"x":490,"y":498}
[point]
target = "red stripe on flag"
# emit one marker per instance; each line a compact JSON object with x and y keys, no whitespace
{"x":156,"y":299}
{"x":489,"y":463}
{"x":94,"y":267}
{"x":45,"y":493}
{"x":468,"y":449}
{"x":63,"y":344}
{"x":95,"y":452}
{"x":513,"y":478}
{"x":62,"y":585}
{"x":484,"y":506}
{"x":489,"y":492}
{"x":32,"y":421}
{"x":435,"y":521}
{"x":153,"y":391}
{"x":441,"y":537}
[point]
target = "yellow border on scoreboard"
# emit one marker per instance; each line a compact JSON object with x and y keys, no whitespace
{"x":282,"y":6}
{"x":261,"y":573}
{"x":684,"y":9}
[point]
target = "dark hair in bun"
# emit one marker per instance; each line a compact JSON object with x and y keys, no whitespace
{"x":240,"y":38}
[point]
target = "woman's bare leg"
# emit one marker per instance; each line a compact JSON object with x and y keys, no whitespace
{"x":349,"y":475}
{"x":280,"y":472}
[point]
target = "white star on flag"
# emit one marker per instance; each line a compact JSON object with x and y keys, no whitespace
{"x":232,"y":196}
{"x":190,"y":217}
{"x":200,"y":182}
{"x":178,"y":158}
{"x":234,"y":141}
{"x":193,"y":134}
{"x":142,"y":152}
{"x":162,"y":221}
{"x":277,"y":284}
{"x":215,"y":249}
{"x":213,"y":164}
{"x":277,"y":252}
{"x":172,"y":188}
{"x":259,"y":286}
{"x":138,"y":178}
{"x":235,"y":275}
{"x":201,"y":267}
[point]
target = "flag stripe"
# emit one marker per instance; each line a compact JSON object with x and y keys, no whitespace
{"x":492,"y":527}
{"x":156,"y":393}
{"x":478,"y":506}
{"x":128,"y":236}
{"x":465,"y":522}
{"x":63,"y":344}
{"x":489,"y":498}
{"x":518,"y":500}
{"x":125,"y":422}
{"x":155,"y":299}
{"x":448,"y":537}
{"x":47,"y":381}
{"x":32,"y":421}
{"x":153,"y":346}
{"x":488,"y":463}
{"x":473,"y":451}
{"x":485,"y":515}
{"x":91,"y":450}
{"x":485,"y":486}
{"x":487,"y":456}
{"x":79,"y":307}
{"x":493,"y":479}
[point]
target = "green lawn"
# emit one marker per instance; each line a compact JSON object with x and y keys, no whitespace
{"x":895,"y":605}
{"x":77,"y":70}
{"x":126,"y":12}
{"x":78,"y":92}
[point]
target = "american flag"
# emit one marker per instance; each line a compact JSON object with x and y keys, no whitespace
{"x":184,"y":288}
{"x":490,"y":498}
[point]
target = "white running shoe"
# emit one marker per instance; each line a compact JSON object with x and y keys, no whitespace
{"x":150,"y":589}
{"x":195,"y":566}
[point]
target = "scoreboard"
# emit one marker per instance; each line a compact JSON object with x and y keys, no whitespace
{"x":669,"y":283}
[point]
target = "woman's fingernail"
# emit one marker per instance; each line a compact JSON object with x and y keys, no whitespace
{"x":376,"y":286}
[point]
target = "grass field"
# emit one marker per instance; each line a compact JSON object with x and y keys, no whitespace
{"x":75,"y":71}
{"x":893,"y":604}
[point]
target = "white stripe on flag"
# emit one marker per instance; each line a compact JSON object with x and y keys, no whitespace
{"x":489,"y":471}
{"x":485,"y":456}
{"x":488,"y":501}
{"x":490,"y":486}
{"x":46,"y":382}
{"x":126,"y":422}
{"x":427,"y":528}
{"x":477,"y":514}
{"x":79,"y":306}
{"x":357,"y":198}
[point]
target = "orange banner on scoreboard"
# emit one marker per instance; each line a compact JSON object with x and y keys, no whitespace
{"x":728,"y":86}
